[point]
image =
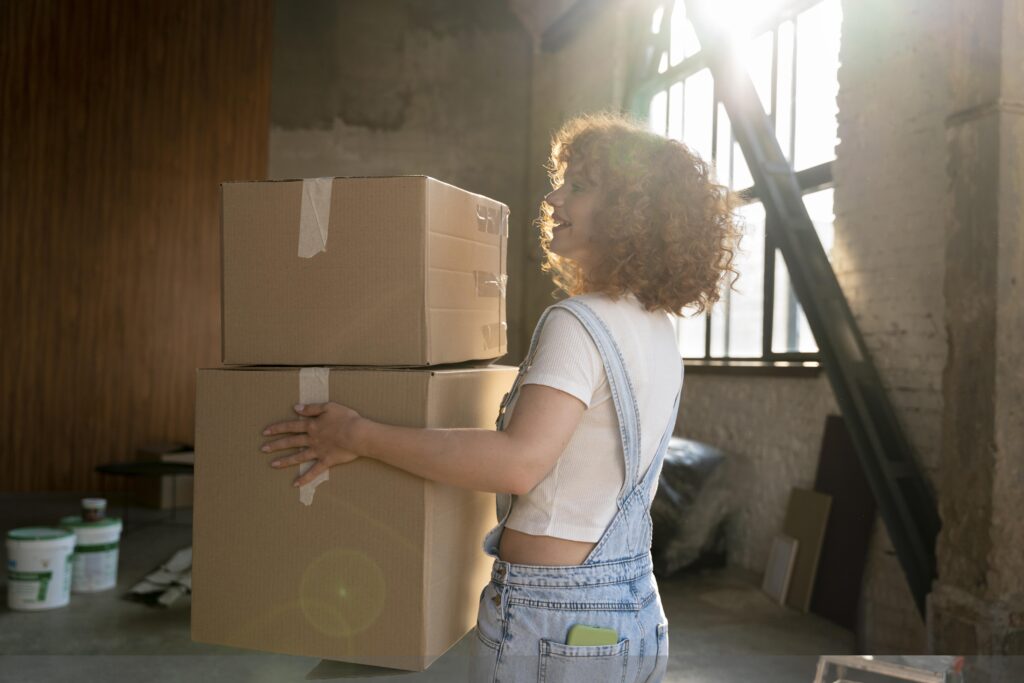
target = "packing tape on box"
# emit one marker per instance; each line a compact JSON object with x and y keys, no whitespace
{"x":314,"y":387}
{"x":495,"y":334}
{"x":314,"y":216}
{"x":492,"y":219}
{"x":490,"y":284}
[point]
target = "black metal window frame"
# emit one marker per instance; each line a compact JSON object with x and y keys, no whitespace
{"x":645,"y":82}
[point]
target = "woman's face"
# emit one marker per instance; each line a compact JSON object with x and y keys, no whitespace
{"x":574,"y":203}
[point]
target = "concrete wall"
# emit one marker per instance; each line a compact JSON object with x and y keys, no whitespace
{"x":393,"y":87}
{"x":587,"y":74}
{"x":978,"y":603}
{"x":775,"y":424}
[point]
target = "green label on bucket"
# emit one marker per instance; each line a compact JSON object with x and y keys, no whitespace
{"x":42,"y":577}
{"x":101,"y":548}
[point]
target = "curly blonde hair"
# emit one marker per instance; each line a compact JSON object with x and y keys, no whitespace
{"x":663,"y":230}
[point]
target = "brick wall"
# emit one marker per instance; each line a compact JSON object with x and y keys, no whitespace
{"x":890,"y":246}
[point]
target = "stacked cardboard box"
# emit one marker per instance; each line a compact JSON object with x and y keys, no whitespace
{"x":357,"y":291}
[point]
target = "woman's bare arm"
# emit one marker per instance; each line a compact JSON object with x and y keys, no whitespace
{"x":511,"y":461}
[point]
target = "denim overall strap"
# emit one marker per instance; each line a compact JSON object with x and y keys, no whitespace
{"x":631,"y":530}
{"x":504,"y":500}
{"x":623,"y":397}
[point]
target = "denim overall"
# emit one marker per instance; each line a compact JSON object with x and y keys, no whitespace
{"x":526,"y":611}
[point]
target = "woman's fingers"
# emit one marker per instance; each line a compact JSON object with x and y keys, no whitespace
{"x":294,"y":441}
{"x":294,"y":459}
{"x":314,"y":472}
{"x":291,"y":427}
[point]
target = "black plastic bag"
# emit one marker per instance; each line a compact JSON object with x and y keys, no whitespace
{"x":692,"y":508}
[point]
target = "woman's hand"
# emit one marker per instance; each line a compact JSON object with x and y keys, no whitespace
{"x":325,"y":433}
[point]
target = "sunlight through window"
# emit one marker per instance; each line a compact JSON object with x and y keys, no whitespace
{"x":792,"y":58}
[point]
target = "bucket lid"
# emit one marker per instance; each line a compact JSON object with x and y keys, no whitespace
{"x":38,"y":533}
{"x":76,"y":522}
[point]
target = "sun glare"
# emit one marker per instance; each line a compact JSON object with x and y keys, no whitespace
{"x":739,"y":18}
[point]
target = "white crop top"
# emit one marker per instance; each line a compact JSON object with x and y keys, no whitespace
{"x":576,"y":500}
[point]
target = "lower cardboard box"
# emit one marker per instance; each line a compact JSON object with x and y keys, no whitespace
{"x":381,"y":567}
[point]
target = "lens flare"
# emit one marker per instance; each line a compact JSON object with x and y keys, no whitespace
{"x":342,"y":592}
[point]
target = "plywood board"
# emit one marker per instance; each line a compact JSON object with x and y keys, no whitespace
{"x":844,"y":553}
{"x":806,"y":519}
{"x":779,"y":571}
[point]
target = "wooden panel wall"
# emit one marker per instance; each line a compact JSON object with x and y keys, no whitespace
{"x":118,"y":120}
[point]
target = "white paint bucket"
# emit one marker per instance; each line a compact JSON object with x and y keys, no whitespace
{"x":39,"y":568}
{"x":96,"y":551}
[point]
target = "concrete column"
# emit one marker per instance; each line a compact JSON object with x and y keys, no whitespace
{"x":977,"y":605}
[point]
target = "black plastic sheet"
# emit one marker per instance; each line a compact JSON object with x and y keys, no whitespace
{"x":692,"y":507}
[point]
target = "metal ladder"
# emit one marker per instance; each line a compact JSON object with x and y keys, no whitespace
{"x":904,"y":498}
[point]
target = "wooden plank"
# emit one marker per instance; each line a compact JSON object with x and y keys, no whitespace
{"x":851,"y":519}
{"x":779,"y":571}
{"x":806,"y":518}
{"x":118,"y":121}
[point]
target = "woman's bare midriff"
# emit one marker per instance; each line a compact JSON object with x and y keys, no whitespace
{"x":521,"y":548}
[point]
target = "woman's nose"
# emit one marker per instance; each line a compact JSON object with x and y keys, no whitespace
{"x":553,"y":198}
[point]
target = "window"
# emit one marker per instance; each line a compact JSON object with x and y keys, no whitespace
{"x":790,"y":50}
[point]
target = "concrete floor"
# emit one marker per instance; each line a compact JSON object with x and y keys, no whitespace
{"x":723,"y":629}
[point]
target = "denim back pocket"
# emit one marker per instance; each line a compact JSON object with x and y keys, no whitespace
{"x":488,"y":618}
{"x":569,"y":663}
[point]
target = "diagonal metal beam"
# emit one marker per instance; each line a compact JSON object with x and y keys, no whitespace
{"x":904,"y":498}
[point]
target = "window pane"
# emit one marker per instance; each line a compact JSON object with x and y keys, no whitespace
{"x":690,"y":335}
{"x":819,"y":206}
{"x":784,"y":90}
{"x":797,"y":335}
{"x":699,"y":108}
{"x":723,"y":149}
{"x":683,"y":39}
{"x":817,"y":50}
{"x":746,"y":302}
{"x":659,"y":112}
{"x":805,"y":338}
{"x":790,"y":329}
{"x":675,"y":111}
{"x":719,"y":323}
{"x":741,"y":178}
{"x":656,"y":17}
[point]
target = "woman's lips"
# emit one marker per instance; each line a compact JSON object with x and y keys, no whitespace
{"x":560,"y":226}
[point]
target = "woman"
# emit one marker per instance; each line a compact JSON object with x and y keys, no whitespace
{"x":634,"y":229}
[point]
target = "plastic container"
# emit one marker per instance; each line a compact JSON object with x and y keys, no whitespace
{"x":94,"y":509}
{"x":39,"y":568}
{"x":96,"y":552}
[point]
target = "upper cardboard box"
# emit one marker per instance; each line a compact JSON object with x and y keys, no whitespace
{"x":394,"y":271}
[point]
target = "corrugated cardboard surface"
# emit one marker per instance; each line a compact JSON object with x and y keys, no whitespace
{"x":383,"y":568}
{"x":404,"y":279}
